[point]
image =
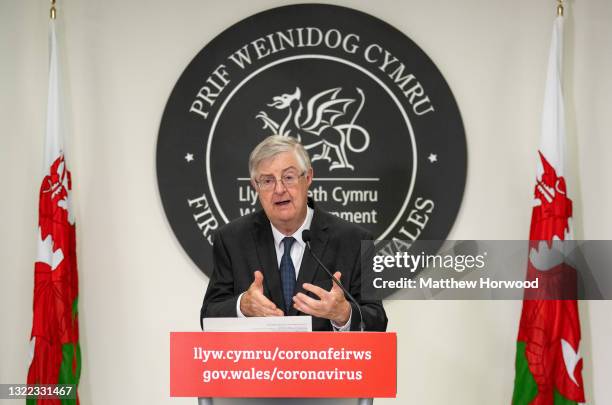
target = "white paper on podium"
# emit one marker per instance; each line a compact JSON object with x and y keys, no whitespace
{"x":259,"y":324}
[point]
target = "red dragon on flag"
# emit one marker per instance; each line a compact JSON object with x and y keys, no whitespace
{"x":551,"y":218}
{"x":55,"y":328}
{"x":549,"y":332}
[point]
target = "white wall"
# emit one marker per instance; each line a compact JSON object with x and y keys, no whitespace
{"x":122,"y":59}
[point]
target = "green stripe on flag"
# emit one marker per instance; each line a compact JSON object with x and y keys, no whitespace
{"x":75,"y":307}
{"x":525,"y":387}
{"x":66,"y":376}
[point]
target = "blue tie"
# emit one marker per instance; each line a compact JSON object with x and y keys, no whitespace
{"x":287,"y":272}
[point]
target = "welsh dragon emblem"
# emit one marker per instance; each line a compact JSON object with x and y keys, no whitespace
{"x":323,"y":121}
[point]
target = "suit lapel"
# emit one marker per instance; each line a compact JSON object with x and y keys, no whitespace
{"x":266,"y":252}
{"x":309,"y":266}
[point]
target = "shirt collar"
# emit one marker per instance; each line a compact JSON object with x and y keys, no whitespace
{"x":279,"y":236}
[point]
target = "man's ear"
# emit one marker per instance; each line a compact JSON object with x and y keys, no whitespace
{"x":309,"y":176}
{"x":255,"y":187}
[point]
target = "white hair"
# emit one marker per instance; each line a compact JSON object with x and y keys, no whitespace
{"x":274,"y":145}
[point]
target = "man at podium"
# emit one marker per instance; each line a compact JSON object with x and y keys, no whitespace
{"x":262,"y":265}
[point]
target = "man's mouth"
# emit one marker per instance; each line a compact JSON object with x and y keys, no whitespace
{"x":282,"y":203}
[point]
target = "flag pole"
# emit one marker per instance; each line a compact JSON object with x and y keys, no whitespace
{"x":559,"y":8}
{"x":52,"y":12}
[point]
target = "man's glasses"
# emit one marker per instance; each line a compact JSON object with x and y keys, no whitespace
{"x":267,"y":183}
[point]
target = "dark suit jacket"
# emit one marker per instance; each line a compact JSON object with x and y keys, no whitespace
{"x":246,"y":245}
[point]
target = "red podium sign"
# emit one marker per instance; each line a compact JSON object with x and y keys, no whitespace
{"x":283,"y":364}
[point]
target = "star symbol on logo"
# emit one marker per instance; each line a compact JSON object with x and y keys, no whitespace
{"x":189,"y":157}
{"x":433,"y":157}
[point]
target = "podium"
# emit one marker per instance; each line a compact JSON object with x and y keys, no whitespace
{"x":283,"y":401}
{"x":287,"y":365}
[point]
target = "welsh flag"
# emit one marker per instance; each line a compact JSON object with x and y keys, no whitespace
{"x":54,"y":345}
{"x":548,"y":366}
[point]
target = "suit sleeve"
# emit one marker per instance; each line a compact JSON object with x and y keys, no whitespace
{"x":220,"y":298}
{"x":374,"y":316}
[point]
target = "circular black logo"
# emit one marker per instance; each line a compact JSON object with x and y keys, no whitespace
{"x":379,"y":121}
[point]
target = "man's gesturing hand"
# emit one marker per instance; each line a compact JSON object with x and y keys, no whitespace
{"x":331,"y":304}
{"x":254,"y":303}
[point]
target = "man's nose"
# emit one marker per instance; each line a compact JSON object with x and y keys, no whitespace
{"x":279,"y":187}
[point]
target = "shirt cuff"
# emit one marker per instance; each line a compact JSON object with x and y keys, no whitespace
{"x":239,"y":313}
{"x":343,"y":328}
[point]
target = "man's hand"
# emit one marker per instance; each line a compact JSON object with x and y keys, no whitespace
{"x":255,"y":303}
{"x":331,"y":304}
